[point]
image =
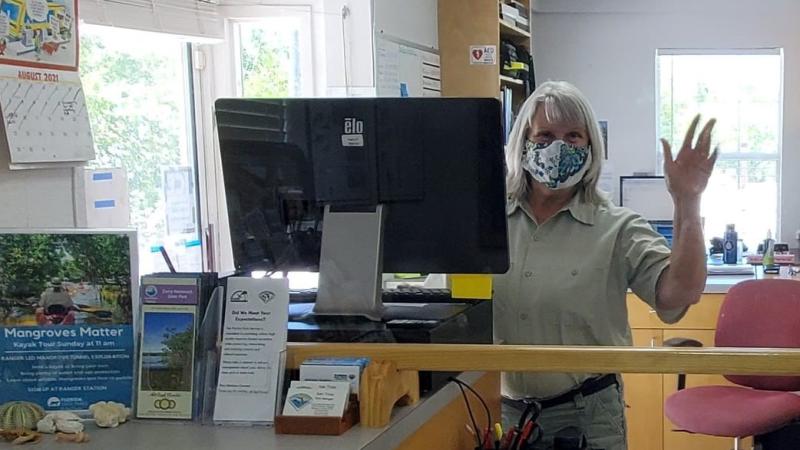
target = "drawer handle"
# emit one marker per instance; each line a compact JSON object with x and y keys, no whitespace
{"x":652,"y":311}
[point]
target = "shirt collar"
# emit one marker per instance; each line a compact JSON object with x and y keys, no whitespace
{"x":581,"y":211}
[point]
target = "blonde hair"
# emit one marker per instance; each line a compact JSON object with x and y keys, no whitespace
{"x":562,"y":102}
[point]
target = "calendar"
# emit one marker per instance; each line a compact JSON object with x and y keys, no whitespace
{"x":44,"y":115}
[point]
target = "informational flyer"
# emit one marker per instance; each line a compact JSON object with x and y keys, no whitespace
{"x":39,"y":33}
{"x":180,"y":199}
{"x":66,"y":317}
{"x":166,"y":362}
{"x":254,"y":336}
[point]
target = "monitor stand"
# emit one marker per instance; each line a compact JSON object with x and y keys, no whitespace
{"x":351,"y":264}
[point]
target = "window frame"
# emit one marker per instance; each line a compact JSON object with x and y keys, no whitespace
{"x":216,"y":72}
{"x":189,"y":136}
{"x":737,"y":157}
{"x":255,"y":14}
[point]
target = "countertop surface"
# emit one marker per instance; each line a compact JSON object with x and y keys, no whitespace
{"x":160,"y":435}
{"x":720,"y":284}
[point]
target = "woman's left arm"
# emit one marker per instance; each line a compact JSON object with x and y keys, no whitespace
{"x":682,"y":283}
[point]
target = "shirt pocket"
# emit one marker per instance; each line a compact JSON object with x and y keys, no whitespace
{"x":571,"y":302}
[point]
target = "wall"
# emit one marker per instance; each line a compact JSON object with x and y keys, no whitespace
{"x":35,"y":198}
{"x":607,"y":48}
{"x":411,"y":20}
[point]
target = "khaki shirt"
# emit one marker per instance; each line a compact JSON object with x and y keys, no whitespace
{"x":567,"y":284}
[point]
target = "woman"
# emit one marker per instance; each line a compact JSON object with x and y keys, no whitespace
{"x":574,"y":256}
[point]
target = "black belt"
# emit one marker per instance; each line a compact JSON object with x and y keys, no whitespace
{"x":588,"y":387}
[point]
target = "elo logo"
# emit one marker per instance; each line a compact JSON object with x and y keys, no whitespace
{"x":353,"y":126}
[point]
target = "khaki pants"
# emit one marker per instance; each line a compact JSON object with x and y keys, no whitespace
{"x":601,"y":416}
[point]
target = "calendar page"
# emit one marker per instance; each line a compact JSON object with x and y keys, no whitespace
{"x":45,"y":117}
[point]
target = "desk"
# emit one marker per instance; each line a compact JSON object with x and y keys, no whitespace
{"x":721,"y":284}
{"x":435,"y":422}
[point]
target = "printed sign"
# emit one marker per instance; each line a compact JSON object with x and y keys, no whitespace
{"x":483,"y":54}
{"x":254,"y":335}
{"x":66,"y":319}
{"x":39,"y":33}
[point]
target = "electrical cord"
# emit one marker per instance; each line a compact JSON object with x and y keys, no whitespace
{"x":471,"y":416}
{"x":463,"y":385}
{"x":475,"y":393}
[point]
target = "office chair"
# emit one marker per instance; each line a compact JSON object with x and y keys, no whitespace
{"x":755,"y":313}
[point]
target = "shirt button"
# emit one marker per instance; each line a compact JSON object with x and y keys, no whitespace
{"x":523,"y":316}
{"x":574,"y":272}
{"x":528,"y":274}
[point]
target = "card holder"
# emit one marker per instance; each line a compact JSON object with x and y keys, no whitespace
{"x":329,"y":426}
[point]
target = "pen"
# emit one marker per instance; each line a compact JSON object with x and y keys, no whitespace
{"x":487,"y":439}
{"x":498,"y":435}
{"x":470,"y":430}
{"x":531,"y":438}
{"x":509,"y":439}
{"x":523,"y":436}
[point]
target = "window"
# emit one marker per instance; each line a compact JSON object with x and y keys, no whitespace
{"x":136,"y":86}
{"x":743,"y":90}
{"x":274,"y":55}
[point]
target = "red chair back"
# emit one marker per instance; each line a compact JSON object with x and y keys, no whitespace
{"x":761,"y":313}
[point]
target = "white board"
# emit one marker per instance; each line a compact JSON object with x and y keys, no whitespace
{"x":406,"y":71}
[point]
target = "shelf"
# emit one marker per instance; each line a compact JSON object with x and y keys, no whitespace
{"x":512,"y":31}
{"x":510,"y":81}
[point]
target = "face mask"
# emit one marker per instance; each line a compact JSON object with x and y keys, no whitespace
{"x":557,"y":165}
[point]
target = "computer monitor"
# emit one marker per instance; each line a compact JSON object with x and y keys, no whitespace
{"x":399,"y":185}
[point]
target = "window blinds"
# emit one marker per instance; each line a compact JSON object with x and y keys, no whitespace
{"x":195,"y":19}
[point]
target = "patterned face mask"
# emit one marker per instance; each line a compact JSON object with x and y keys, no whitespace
{"x":557,"y":165}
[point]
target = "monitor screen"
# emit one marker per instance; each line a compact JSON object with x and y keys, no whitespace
{"x":646,"y":195}
{"x":435,"y":164}
{"x":664,"y":228}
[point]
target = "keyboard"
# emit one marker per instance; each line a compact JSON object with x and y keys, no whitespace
{"x":402,"y":295}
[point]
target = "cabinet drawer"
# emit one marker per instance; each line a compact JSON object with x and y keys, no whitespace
{"x":702,"y":316}
{"x":644,"y":399}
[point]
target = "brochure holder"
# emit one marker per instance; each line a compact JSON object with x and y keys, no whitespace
{"x":209,"y":347}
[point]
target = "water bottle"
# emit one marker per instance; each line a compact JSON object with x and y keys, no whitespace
{"x":769,"y":250}
{"x":739,"y":252}
{"x":730,"y":244}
